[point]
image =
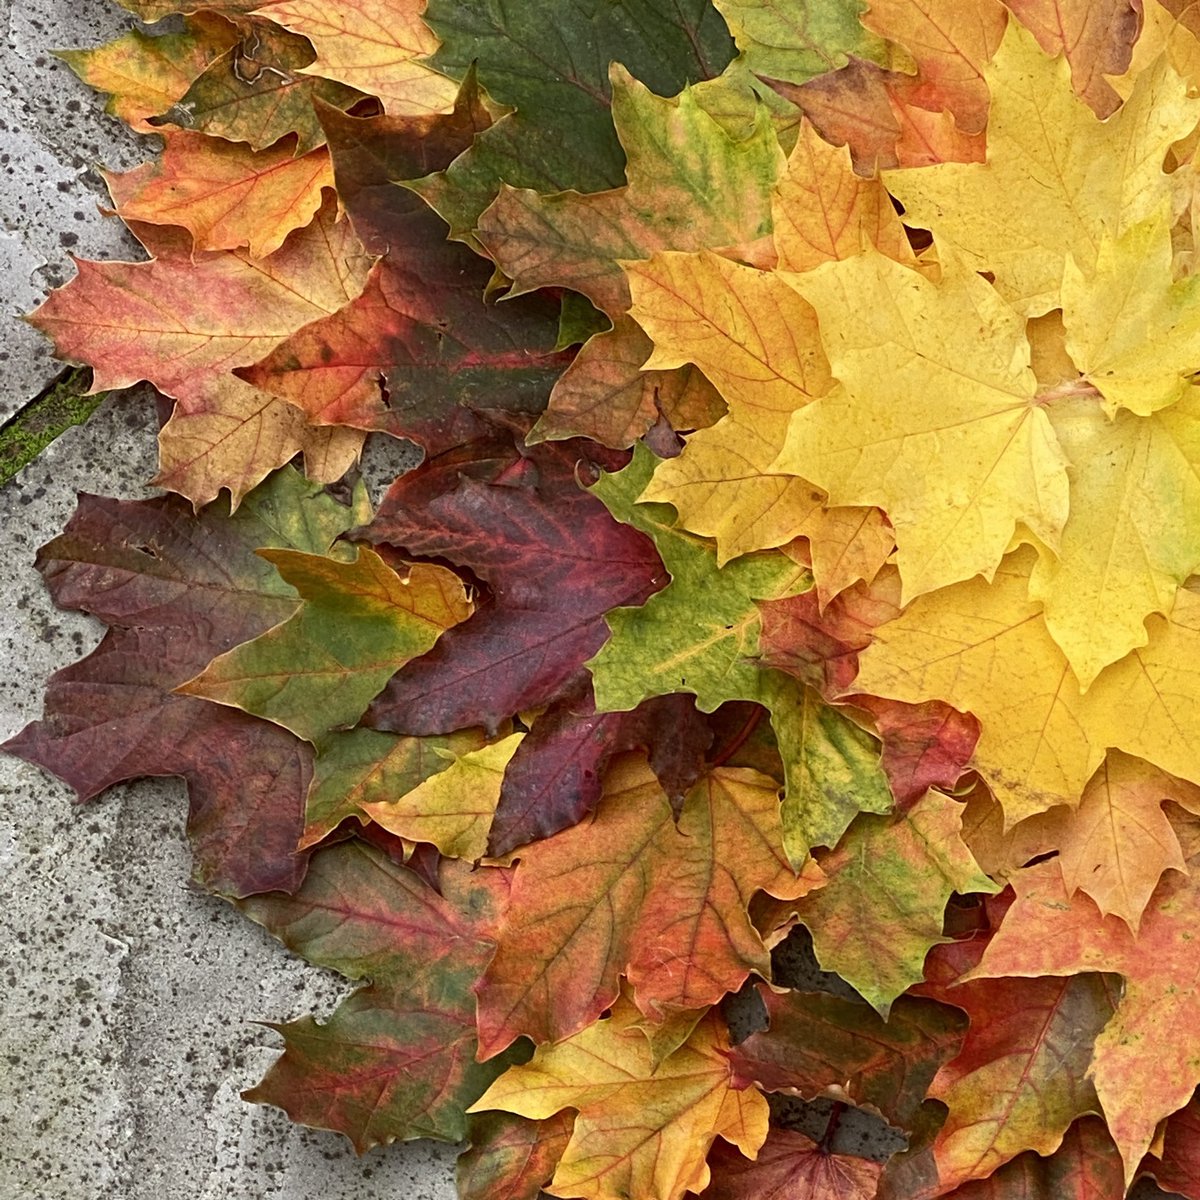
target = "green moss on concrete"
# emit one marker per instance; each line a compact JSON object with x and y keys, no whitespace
{"x":63,"y":404}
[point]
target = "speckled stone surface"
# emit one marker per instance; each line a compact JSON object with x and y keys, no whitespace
{"x":127,"y":998}
{"x":53,"y":137}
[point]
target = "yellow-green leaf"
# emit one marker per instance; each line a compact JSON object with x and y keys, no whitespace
{"x":358,"y":624}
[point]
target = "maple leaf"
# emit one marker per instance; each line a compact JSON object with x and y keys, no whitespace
{"x":363,"y":766}
{"x":397,"y":1058}
{"x":511,"y":1158}
{"x":924,"y":745}
{"x":866,"y":108}
{"x":1096,"y":39}
{"x":1133,"y":330}
{"x":985,"y":649}
{"x":823,"y":212}
{"x":549,"y":61}
{"x":831,"y":766}
{"x":256,"y":92}
{"x":790,"y":1164}
{"x":819,"y":1044}
{"x":577,"y":919}
{"x":889,"y":880}
{"x":662,"y":646}
{"x":556,"y":775}
{"x":1025,"y":379}
{"x":679,"y":159}
{"x":951,"y":42}
{"x":224,"y":194}
{"x":1085,"y":1166}
{"x":846,"y":545}
{"x":174,"y":591}
{"x":182,"y":322}
{"x":1047,"y":932}
{"x":144,"y":74}
{"x":889,"y":117}
{"x":421,"y":323}
{"x":760,"y":347}
{"x":1001,"y":847}
{"x":756,"y":340}
{"x":376,"y":46}
{"x":523,"y":525}
{"x":1116,"y":845}
{"x":454,"y":808}
{"x":1117,"y":563}
{"x":820,"y":644}
{"x":1044,"y":142}
{"x":797,"y":42}
{"x":1020,"y":1079}
{"x":359,"y":623}
{"x":641,"y":1129}
{"x":1174,"y":1164}
{"x":606,"y":393}
{"x":936,"y":423}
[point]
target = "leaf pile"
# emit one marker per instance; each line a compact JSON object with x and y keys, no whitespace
{"x":806,"y":533}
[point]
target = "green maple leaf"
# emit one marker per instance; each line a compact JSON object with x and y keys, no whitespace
{"x":549,"y":60}
{"x":700,"y":635}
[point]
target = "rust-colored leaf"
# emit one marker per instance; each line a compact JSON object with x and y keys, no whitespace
{"x":1021,"y":1078}
{"x":1049,"y":932}
{"x":792,"y":1165}
{"x":579,"y":918}
{"x":225,"y":194}
{"x":184,"y":323}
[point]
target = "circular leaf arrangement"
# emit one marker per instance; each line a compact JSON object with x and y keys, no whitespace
{"x":803,"y":534}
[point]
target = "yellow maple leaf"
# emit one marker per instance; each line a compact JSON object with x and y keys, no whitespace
{"x":454,"y":808}
{"x":373,"y":45}
{"x":822,"y":211}
{"x":985,"y":648}
{"x":1133,"y":535}
{"x":937,"y":421}
{"x":642,"y":1130}
{"x":756,"y":340}
{"x":1077,"y":177}
{"x":1132,"y":330}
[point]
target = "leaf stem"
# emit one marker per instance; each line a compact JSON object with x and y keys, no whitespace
{"x":831,"y":1128}
{"x":739,"y":739}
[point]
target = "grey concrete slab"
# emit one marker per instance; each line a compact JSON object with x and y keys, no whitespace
{"x":53,"y":137}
